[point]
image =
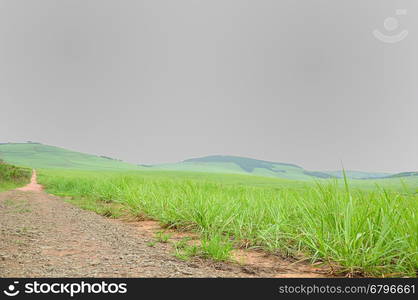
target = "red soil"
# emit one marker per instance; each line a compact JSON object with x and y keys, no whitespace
{"x":33,"y":186}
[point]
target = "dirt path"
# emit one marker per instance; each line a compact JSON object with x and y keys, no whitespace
{"x":33,"y":186}
{"x":43,"y":236}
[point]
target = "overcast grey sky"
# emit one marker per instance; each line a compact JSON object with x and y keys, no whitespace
{"x":299,"y":81}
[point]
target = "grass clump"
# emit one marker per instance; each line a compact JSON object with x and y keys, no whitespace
{"x":162,"y":237}
{"x":216,"y":248}
{"x":185,"y":249}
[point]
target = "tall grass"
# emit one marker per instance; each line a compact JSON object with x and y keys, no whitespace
{"x":361,"y":231}
{"x":12,"y":176}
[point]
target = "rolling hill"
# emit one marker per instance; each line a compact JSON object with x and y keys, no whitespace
{"x":36,"y":155}
{"x":235,"y":165}
{"x":250,"y":166}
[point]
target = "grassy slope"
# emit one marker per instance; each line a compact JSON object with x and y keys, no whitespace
{"x":12,"y":176}
{"x":49,"y":157}
{"x":237,"y":165}
{"x":43,"y":156}
{"x":249,"y":166}
{"x":231,"y":168}
{"x":364,"y":229}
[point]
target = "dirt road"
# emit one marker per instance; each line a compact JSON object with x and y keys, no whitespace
{"x":43,"y":236}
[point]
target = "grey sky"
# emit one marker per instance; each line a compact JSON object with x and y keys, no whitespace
{"x":304,"y":81}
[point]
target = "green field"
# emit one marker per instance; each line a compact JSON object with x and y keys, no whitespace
{"x":360,"y":226}
{"x":364,"y":227}
{"x":36,"y":155}
{"x":12,"y":177}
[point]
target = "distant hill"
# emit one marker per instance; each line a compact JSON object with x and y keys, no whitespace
{"x":236,"y":165}
{"x":239,"y":165}
{"x":358,"y":174}
{"x":247,"y":164}
{"x":36,"y":155}
{"x":403,"y":174}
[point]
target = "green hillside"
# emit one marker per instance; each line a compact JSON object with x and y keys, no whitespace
{"x":242,"y":165}
{"x":403,"y":175}
{"x":249,"y":166}
{"x":235,"y":165}
{"x":35,"y":155}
